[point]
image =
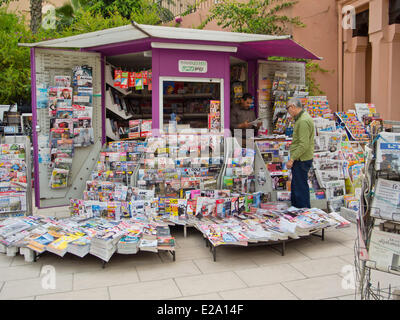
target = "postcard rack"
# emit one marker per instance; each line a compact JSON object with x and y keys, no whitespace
{"x":24,"y":208}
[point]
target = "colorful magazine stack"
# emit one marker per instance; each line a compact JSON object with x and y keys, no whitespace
{"x":99,"y":237}
{"x":175,"y":163}
{"x":13,"y":180}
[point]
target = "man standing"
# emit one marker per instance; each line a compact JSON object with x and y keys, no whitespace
{"x":242,"y":115}
{"x":301,"y":153}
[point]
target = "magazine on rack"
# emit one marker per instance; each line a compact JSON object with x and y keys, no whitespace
{"x":388,"y":152}
{"x":335,"y":189}
{"x":83,"y":137}
{"x":386,"y":202}
{"x":334,"y":140}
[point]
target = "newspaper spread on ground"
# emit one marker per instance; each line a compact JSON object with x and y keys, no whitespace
{"x":386,"y":202}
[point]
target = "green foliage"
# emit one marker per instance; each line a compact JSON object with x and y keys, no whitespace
{"x":14,"y":60}
{"x":253,"y":16}
{"x":142,"y":11}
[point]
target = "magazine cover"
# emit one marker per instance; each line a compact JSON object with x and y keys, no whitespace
{"x":42,"y":98}
{"x":64,"y":93}
{"x":82,"y":76}
{"x":388,"y":152}
{"x":82,"y":112}
{"x":83,"y":137}
{"x":83,"y":95}
{"x":145,"y":128}
{"x":134,"y":129}
{"x":64,"y":124}
{"x":62,"y":81}
{"x":64,"y":112}
{"x":59,"y":178}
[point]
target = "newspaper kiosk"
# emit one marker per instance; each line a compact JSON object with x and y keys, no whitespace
{"x":173,"y":54}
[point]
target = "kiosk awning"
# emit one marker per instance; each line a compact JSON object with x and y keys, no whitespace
{"x":249,"y":45}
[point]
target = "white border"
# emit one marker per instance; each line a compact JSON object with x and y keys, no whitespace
{"x":199,"y":47}
{"x":189,"y":79}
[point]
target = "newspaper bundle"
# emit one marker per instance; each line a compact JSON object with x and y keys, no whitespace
{"x":388,"y":152}
{"x":386,"y":202}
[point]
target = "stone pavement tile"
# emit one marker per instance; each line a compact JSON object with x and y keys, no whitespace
{"x":349,"y":258}
{"x":350,"y":297}
{"x":222,"y":264}
{"x":208,"y":283}
{"x":269,"y":274}
{"x":33,"y":287}
{"x":104,"y":278}
{"x":5,"y":261}
{"x":209,"y":296}
{"x":317,"y":288}
{"x":19,"y":260}
{"x":324,"y":249}
{"x":242,"y":252}
{"x":271,"y":257}
{"x":194,"y":240}
{"x":187,"y":254}
{"x":350,"y":232}
{"x":157,"y":290}
{"x":320,"y":267}
{"x":91,"y":294}
{"x":20,"y":272}
{"x":269,"y":292}
{"x":167,"y":270}
{"x":339,"y":235}
{"x":133,"y":260}
{"x":70,"y":263}
{"x":349,"y":244}
{"x":384,"y":279}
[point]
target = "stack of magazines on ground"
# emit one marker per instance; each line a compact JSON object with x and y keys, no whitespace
{"x":264,"y":225}
{"x":80,"y":236}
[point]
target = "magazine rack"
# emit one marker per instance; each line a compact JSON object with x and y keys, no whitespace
{"x":365,"y":224}
{"x":28,"y":162}
{"x":49,"y":63}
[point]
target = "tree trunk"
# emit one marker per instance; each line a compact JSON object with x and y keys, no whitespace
{"x":36,"y":15}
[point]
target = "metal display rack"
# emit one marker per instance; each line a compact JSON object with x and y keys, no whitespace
{"x":366,"y":224}
{"x":28,"y":163}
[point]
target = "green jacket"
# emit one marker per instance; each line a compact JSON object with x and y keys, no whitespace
{"x":302,"y":147}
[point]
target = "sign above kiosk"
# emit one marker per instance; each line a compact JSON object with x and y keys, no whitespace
{"x":194,"y":66}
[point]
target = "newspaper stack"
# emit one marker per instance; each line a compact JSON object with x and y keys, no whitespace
{"x":80,"y":247}
{"x":128,"y":245}
{"x":104,"y":244}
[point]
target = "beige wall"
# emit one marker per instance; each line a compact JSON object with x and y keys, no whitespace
{"x":320,"y":15}
{"x":23,"y":6}
{"x":373,"y":62}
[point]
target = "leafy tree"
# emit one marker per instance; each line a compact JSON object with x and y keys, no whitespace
{"x":145,"y":11}
{"x":36,"y":15}
{"x":14,"y":60}
{"x":253,"y":16}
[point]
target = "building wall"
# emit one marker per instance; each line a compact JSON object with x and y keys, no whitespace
{"x":371,"y":64}
{"x":23,"y":6}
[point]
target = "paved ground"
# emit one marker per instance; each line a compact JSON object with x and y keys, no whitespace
{"x":311,"y":269}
